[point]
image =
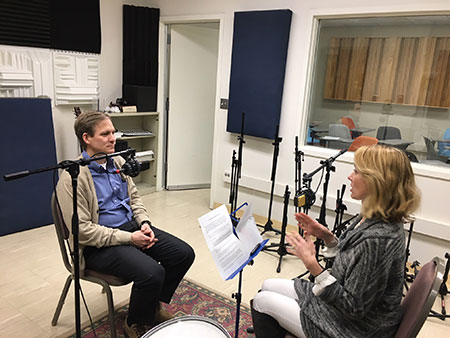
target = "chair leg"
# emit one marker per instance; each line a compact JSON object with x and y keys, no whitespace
{"x":109,"y":297}
{"x":62,"y":298}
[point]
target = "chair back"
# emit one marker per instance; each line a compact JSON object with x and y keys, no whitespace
{"x":420,"y":298}
{"x":62,"y":232}
{"x":362,"y":141}
{"x":348,"y":121}
{"x":388,"y":133}
{"x":441,"y":145}
{"x":339,"y":130}
{"x":431,"y":152}
{"x":411,"y":156}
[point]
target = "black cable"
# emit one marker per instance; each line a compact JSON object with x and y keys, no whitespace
{"x":320,"y":181}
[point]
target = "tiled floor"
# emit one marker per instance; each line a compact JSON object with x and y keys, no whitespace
{"x":32,"y":272}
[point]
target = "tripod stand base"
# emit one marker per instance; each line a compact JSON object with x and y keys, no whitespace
{"x":268,"y":227}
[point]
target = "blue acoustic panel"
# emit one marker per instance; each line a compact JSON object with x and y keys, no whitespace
{"x":27,"y":144}
{"x":258,"y":63}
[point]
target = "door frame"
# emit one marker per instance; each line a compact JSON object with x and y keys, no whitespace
{"x":163,"y":85}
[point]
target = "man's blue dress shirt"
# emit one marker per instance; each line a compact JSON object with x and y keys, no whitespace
{"x":112,"y":194}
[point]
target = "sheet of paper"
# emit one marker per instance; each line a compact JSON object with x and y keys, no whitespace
{"x":247,"y":231}
{"x":225,"y":247}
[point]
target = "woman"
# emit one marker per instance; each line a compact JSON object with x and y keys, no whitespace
{"x":360,"y":296}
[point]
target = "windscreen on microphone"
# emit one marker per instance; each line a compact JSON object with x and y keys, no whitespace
{"x":133,"y":167}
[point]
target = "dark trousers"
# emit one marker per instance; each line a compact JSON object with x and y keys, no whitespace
{"x":155,"y":272}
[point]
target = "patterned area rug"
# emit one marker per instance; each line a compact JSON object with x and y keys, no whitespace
{"x":189,"y":299}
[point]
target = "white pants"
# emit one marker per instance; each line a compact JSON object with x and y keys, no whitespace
{"x":277,"y":298}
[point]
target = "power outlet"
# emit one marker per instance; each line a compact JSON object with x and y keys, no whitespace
{"x":223,"y":103}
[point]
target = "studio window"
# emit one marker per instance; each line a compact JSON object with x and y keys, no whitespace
{"x":386,"y":79}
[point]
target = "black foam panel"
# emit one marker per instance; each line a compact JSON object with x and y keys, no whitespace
{"x":27,"y":144}
{"x":260,"y":45}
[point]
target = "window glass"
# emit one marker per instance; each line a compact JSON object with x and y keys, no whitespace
{"x":386,"y":79}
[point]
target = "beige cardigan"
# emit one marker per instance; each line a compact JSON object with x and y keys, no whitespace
{"x":90,"y":232}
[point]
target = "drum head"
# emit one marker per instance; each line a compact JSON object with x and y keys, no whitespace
{"x":188,"y":327}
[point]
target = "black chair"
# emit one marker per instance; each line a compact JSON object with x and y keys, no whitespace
{"x":102,"y":279}
{"x":388,"y":133}
{"x":411,"y":156}
{"x":431,"y":152}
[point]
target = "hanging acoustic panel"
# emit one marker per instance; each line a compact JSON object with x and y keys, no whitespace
{"x":258,"y":63}
{"x":28,"y":144}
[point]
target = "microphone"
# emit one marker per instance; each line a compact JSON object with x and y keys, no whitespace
{"x":133,"y":167}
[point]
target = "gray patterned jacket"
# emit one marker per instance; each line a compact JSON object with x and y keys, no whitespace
{"x":365,"y":299}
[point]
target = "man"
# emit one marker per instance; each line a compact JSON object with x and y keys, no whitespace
{"x":116,"y":236}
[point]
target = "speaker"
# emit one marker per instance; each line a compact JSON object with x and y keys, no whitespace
{"x":144,"y":97}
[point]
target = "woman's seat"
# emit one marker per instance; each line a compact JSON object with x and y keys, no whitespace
{"x":420,"y":298}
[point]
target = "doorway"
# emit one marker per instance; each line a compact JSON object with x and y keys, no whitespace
{"x":190,"y":95}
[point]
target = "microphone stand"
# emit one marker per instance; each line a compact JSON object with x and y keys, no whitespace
{"x":299,"y":157}
{"x":281,"y":250}
{"x":282,"y":246}
{"x":276,"y":148}
{"x":340,"y":208}
{"x":328,"y":166}
{"x":408,"y":277}
{"x":73,"y":168}
{"x":236,"y":165}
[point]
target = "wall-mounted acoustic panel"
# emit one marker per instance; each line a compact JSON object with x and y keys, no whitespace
{"x":25,"y":72}
{"x":29,"y":145}
{"x":258,"y":63}
{"x":76,"y":78}
{"x":57,"y":24}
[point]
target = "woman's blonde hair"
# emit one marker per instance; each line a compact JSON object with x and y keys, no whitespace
{"x":392,"y":192}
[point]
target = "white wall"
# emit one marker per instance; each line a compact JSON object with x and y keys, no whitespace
{"x":433,"y":222}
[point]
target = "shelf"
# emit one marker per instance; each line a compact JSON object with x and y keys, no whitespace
{"x":135,"y":137}
{"x":113,"y":115}
{"x":145,"y":181}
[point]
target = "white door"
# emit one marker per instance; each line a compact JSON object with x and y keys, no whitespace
{"x":191,"y":93}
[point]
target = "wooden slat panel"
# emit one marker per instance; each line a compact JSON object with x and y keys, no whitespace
{"x":413,"y":71}
{"x":434,"y":76}
{"x":372,"y":70}
{"x":438,"y":73}
{"x":330,"y":78}
{"x":340,"y":89}
{"x":357,"y":68}
{"x":404,"y":70}
{"x":445,"y":97}
{"x":388,"y":69}
{"x":421,"y":71}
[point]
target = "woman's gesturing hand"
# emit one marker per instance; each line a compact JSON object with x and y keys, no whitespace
{"x":313,"y":227}
{"x":304,"y":249}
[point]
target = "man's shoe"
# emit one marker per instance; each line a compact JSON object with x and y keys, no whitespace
{"x":162,"y":316}
{"x":133,"y":330}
